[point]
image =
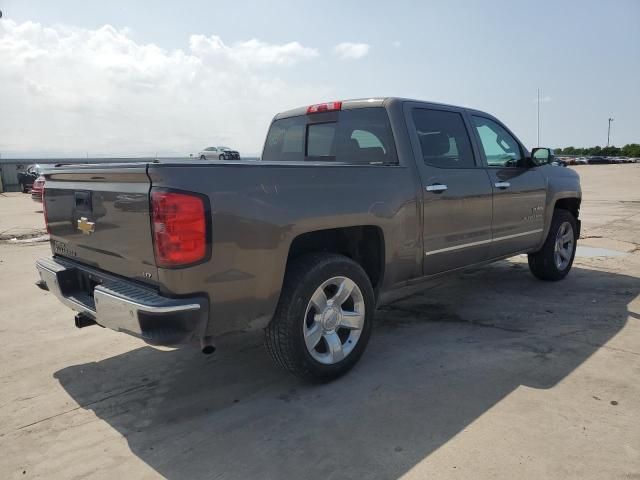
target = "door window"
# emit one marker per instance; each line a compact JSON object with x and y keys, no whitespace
{"x":500,"y":148}
{"x":444,"y":140}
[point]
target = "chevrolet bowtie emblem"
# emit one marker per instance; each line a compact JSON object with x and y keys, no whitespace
{"x":85,"y":226}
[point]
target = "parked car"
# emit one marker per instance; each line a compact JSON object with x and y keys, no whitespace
{"x":219,"y":153}
{"x":581,"y":161}
{"x":28,"y":177}
{"x":598,"y":160}
{"x":624,"y":160}
{"x":37,"y":189}
{"x":557,"y":161}
{"x":353,"y":204}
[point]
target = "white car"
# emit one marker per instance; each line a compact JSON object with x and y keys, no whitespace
{"x":218,"y":153}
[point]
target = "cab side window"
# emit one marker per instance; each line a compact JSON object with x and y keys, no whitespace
{"x":500,"y":148}
{"x":444,"y":139}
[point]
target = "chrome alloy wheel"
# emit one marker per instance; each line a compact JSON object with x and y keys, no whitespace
{"x":564,"y":246}
{"x":334,"y":320}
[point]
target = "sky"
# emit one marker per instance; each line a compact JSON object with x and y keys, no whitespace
{"x":170,"y":78}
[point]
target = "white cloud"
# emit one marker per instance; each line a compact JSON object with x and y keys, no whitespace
{"x":396,"y":43}
{"x":347,"y":50}
{"x":77,"y":90}
{"x":251,"y":53}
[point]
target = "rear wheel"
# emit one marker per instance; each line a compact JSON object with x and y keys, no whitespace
{"x":324,"y":317}
{"x":221,"y":157}
{"x":554,"y":260}
{"x":24,"y":188}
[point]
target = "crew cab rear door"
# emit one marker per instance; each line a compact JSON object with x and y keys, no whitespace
{"x":457,"y":194}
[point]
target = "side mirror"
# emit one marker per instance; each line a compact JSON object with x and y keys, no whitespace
{"x":542,"y":156}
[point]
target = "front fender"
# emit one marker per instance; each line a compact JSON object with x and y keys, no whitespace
{"x":562,"y":183}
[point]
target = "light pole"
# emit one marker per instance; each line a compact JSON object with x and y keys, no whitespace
{"x":609,"y":131}
{"x":538,"y":117}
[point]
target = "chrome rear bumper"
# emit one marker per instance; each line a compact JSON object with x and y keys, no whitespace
{"x":123,"y":305}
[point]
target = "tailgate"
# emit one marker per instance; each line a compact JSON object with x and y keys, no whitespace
{"x":99,"y":216}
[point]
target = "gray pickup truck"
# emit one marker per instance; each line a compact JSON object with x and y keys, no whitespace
{"x":352,"y":205}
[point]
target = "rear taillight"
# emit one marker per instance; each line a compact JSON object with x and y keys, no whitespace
{"x":44,"y":207}
{"x":324,"y":107}
{"x":179,"y":225}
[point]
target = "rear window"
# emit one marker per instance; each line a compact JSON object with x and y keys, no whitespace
{"x":360,"y":136}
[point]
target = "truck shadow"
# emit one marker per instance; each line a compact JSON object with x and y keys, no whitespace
{"x":436,"y":363}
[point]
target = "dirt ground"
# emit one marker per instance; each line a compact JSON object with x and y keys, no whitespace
{"x":490,"y":374}
{"x":20,"y":216}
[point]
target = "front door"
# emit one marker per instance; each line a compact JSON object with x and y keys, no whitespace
{"x":519,"y":190}
{"x":457,"y":194}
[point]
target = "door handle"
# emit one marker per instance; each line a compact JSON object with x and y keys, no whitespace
{"x":502,"y":185}
{"x":436,"y":188}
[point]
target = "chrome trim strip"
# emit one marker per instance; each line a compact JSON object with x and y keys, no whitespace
{"x":482,"y":242}
{"x":507,"y":237}
{"x":458,"y":247}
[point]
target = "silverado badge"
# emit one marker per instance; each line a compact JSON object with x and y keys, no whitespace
{"x":85,"y":226}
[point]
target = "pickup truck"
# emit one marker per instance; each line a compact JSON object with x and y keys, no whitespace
{"x":353,"y":204}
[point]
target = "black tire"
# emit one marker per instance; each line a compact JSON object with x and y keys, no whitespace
{"x":542,"y":263}
{"x":24,"y":188}
{"x":284,"y":338}
{"x":202,"y":157}
{"x":221,"y":157}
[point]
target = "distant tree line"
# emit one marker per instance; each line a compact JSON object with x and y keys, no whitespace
{"x":629,"y":150}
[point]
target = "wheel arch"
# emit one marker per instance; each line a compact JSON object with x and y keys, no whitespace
{"x":569,"y":201}
{"x":572,"y":204}
{"x":363,"y":244}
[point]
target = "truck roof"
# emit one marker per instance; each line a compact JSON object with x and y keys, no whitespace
{"x":368,"y":102}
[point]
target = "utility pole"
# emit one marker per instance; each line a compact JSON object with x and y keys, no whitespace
{"x":538,"y":118}
{"x":609,"y":131}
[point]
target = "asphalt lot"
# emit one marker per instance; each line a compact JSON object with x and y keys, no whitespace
{"x":489,"y":374}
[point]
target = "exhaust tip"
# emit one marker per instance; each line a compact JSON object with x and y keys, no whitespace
{"x":207,"y":346}
{"x":208,"y":349}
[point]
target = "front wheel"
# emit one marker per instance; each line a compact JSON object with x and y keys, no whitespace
{"x":221,"y":157}
{"x":324,"y":317}
{"x":202,"y":157}
{"x":554,"y":260}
